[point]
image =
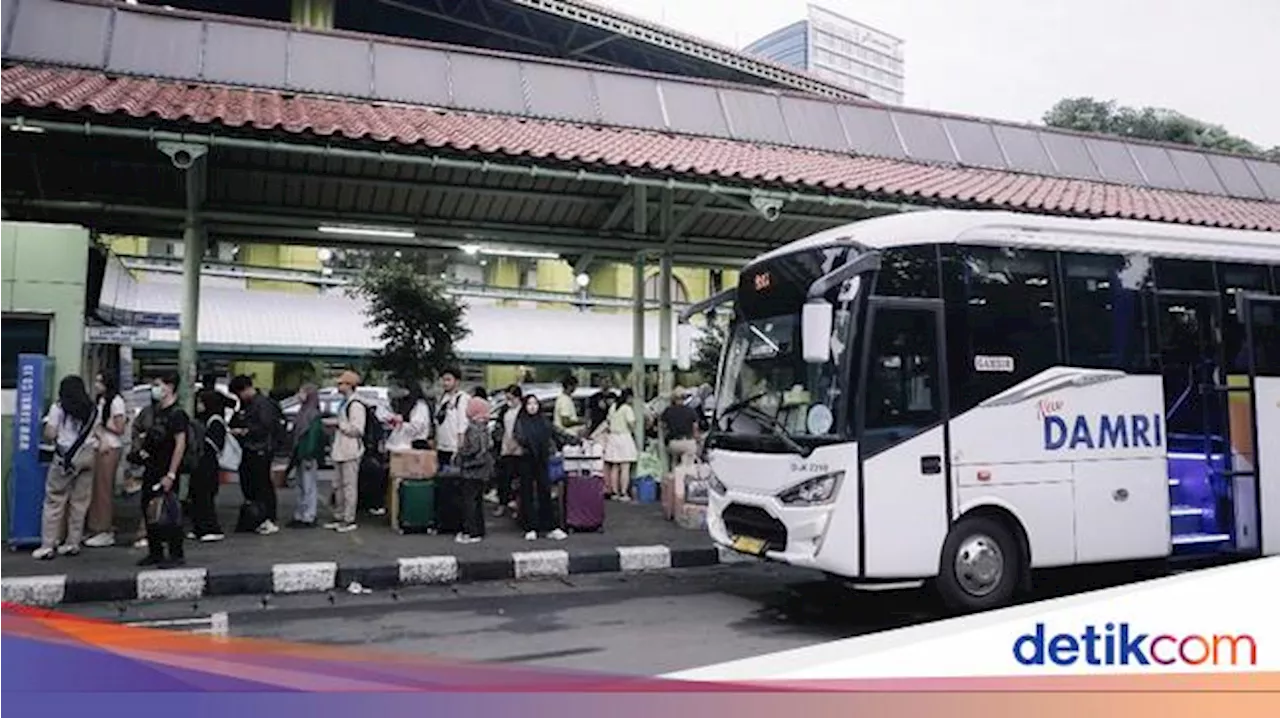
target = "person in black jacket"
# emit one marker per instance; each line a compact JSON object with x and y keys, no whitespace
{"x":534,"y":434}
{"x":204,"y":480}
{"x":257,"y":439}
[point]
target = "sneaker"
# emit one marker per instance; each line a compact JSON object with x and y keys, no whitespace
{"x":377,"y":512}
{"x":333,"y":525}
{"x":558,"y":535}
{"x":210,"y":538}
{"x":191,"y":536}
{"x":463,"y":538}
{"x":101,"y":540}
{"x":267,"y":528}
{"x":140,"y":543}
{"x":531,"y":536}
{"x":491,"y":497}
{"x":44,"y":553}
{"x":69,"y":549}
{"x":347,"y":528}
{"x":499,"y":511}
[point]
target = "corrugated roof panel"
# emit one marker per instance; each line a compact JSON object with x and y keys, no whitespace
{"x":322,"y":63}
{"x":1196,"y":171}
{"x":629,"y":101}
{"x":245,"y":55}
{"x":155,"y":45}
{"x":1070,"y":156}
{"x":975,"y":143}
{"x":755,"y":116}
{"x":556,"y":91}
{"x":1113,"y":159}
{"x":924,"y":138}
{"x":1268,"y":176}
{"x":693,"y":109}
{"x":63,"y":32}
{"x":1157,"y":166}
{"x":486,"y":83}
{"x":814,"y":124}
{"x":1236,"y":176}
{"x":871,"y":131}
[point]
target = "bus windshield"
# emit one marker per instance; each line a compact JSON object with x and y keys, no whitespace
{"x":766,"y":383}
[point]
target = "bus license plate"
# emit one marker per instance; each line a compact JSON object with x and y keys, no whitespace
{"x":746,"y":544}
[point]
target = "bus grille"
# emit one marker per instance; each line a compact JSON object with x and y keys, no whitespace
{"x":755,"y":522}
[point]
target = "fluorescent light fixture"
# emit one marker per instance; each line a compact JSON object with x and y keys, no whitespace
{"x":324,"y":254}
{"x":367,"y":231}
{"x":470,"y":248}
{"x":527,"y":253}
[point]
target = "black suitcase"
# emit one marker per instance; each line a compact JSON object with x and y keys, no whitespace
{"x":448,"y":501}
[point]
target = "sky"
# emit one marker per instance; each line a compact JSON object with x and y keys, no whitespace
{"x":1013,"y":59}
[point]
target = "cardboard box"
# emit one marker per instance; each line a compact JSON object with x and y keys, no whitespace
{"x":691,"y":516}
{"x":414,"y":464}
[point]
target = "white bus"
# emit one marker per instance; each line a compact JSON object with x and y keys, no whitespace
{"x":961,"y":397}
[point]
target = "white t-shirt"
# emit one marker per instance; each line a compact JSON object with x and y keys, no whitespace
{"x":68,"y":429}
{"x":106,"y":437}
{"x":416,"y":427}
{"x":455,"y":421}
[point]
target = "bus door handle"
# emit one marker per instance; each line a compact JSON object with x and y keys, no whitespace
{"x":931,"y":464}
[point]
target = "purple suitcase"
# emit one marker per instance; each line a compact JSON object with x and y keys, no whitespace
{"x":584,"y":502}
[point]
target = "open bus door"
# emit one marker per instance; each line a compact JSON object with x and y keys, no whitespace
{"x":1255,"y":413}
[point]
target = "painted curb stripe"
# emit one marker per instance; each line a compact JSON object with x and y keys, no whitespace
{"x":194,"y":583}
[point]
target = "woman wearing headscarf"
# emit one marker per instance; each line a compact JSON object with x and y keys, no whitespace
{"x":210,"y":412}
{"x":534,"y":434}
{"x":475,"y":462}
{"x":68,"y":486}
{"x":308,"y":449}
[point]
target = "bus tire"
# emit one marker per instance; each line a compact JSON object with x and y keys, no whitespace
{"x":981,"y":565}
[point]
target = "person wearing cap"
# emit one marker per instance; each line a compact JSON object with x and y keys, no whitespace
{"x":681,"y":424}
{"x":348,"y":449}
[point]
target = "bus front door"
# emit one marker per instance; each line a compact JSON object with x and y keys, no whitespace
{"x":1256,"y":432}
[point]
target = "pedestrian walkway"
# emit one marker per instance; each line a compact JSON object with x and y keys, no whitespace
{"x":635,"y":537}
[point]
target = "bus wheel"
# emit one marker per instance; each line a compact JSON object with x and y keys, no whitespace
{"x":981,"y":565}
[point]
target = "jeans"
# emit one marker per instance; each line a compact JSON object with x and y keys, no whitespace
{"x":308,"y":475}
{"x":536,"y":510}
{"x":508,"y":470}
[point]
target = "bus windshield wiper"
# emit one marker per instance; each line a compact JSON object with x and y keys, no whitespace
{"x":776,"y":427}
{"x":737,"y":406}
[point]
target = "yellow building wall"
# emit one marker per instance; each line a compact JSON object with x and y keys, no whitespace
{"x":128,"y":246}
{"x":278,"y":256}
{"x":262,"y":372}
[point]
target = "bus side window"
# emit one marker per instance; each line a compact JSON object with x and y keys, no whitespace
{"x":903,"y":395}
{"x":1105,"y":310}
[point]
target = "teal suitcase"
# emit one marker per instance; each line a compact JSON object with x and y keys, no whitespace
{"x":417,"y":505}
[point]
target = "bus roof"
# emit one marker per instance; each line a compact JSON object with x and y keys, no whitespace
{"x":1045,"y":232}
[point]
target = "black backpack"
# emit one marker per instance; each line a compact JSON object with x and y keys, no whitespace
{"x":280,"y":437}
{"x":373,"y":430}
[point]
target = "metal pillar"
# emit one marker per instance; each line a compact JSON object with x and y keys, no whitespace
{"x":191,"y":160}
{"x":640,"y":224}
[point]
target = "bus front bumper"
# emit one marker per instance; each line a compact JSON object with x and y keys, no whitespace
{"x":762,"y":526}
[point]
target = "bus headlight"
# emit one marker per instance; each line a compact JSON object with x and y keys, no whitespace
{"x":812,"y":492}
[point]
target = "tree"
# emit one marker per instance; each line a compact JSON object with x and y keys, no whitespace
{"x":418,"y":322}
{"x":706,"y":352}
{"x":1087,"y":114}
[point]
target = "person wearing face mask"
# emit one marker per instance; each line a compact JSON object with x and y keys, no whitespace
{"x":164,"y":446}
{"x":110,"y":430}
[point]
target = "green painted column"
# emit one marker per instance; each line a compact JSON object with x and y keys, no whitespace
{"x":640,"y":224}
{"x":193,"y":243}
{"x":314,"y":14}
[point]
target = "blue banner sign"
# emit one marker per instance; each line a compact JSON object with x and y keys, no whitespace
{"x":28,"y":472}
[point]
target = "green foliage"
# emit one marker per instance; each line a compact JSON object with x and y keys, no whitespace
{"x":1087,"y":114}
{"x":417,"y":321}
{"x":706,"y":352}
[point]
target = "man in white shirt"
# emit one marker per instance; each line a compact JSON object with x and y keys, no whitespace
{"x":450,"y":418}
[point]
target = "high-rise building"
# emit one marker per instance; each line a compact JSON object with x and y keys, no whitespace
{"x":840,"y":50}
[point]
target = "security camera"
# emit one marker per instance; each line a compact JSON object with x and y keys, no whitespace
{"x":769,"y":207}
{"x":183,"y":154}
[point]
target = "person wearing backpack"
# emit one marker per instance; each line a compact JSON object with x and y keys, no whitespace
{"x":258,"y":439}
{"x":69,"y":481}
{"x":204,"y":477}
{"x":348,"y":450}
{"x":308,"y":450}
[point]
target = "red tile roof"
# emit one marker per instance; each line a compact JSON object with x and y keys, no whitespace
{"x":709,"y":158}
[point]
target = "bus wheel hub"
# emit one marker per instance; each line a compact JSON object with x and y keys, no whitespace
{"x":979,"y":565}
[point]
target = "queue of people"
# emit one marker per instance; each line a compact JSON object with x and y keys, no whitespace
{"x":167,"y":446}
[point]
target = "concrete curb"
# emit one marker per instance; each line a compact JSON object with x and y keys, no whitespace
{"x":194,"y":583}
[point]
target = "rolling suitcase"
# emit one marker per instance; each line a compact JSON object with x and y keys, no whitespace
{"x":584,"y":502}
{"x":448,"y":500}
{"x":415,"y":508}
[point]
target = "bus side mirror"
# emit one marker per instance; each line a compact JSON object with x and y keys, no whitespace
{"x":684,"y":346}
{"x":815,"y":332}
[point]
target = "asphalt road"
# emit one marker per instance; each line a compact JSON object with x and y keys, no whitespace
{"x":639,"y":624}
